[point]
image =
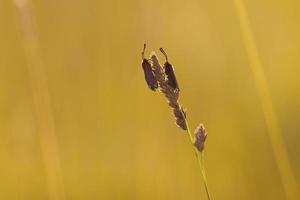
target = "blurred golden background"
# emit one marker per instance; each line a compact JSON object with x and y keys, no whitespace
{"x":77,"y":120}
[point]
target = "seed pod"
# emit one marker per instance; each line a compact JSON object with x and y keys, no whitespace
{"x":169,"y":70}
{"x":148,"y":72}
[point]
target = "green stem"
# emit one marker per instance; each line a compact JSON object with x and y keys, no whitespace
{"x":199,"y":156}
{"x":189,"y":132}
{"x":201,"y":164}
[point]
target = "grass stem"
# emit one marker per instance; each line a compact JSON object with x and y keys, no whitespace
{"x":199,"y":156}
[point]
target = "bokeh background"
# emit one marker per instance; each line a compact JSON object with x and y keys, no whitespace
{"x":77,"y":120}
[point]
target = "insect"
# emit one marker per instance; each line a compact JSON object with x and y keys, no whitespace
{"x":148,"y":72}
{"x":169,"y":70}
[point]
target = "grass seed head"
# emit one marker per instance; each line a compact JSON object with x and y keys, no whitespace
{"x":200,"y":137}
{"x":170,"y":93}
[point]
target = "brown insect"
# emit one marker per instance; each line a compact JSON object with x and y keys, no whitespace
{"x":148,"y":72}
{"x":169,"y":70}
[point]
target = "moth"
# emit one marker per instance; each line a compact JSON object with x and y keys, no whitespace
{"x":169,"y":70}
{"x":148,"y":72}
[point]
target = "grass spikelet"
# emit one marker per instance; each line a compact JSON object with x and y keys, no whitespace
{"x":200,"y":137}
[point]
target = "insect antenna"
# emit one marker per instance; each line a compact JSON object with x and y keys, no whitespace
{"x":143,"y":52}
{"x":163,"y":52}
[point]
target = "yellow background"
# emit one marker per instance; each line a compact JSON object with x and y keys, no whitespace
{"x":77,"y":120}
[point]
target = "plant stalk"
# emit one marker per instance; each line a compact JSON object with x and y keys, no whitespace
{"x":199,"y":156}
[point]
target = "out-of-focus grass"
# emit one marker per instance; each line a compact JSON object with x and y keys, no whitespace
{"x":116,"y":140}
{"x":272,"y":123}
{"x":42,"y":107}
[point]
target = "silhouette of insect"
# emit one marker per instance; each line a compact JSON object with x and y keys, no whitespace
{"x":169,"y":70}
{"x":148,"y":72}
